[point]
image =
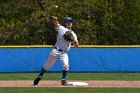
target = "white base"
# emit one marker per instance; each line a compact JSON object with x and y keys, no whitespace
{"x":78,"y":83}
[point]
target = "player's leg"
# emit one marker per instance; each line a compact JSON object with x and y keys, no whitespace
{"x":50,"y":61}
{"x":65,"y":64}
{"x":39,"y":77}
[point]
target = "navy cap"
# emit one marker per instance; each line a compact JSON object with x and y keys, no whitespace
{"x":68,"y":19}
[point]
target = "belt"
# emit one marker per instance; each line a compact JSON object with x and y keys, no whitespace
{"x":60,"y":49}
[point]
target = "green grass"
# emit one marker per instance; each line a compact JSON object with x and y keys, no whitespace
{"x":69,"y":90}
{"x":72,"y":76}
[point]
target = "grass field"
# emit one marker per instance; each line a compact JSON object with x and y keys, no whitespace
{"x":69,"y":90}
{"x":71,"y":76}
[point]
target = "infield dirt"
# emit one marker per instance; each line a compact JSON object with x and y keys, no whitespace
{"x":54,"y":83}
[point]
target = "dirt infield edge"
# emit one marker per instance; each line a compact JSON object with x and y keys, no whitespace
{"x":54,"y":83}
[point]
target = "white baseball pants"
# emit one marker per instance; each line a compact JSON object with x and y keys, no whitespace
{"x":53,"y":56}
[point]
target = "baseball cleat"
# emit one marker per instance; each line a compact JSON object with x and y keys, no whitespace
{"x":36,"y":81}
{"x":64,"y":82}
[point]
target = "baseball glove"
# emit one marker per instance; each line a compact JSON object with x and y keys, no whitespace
{"x":68,"y":36}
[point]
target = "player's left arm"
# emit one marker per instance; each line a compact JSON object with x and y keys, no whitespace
{"x":75,"y":41}
{"x":76,"y":44}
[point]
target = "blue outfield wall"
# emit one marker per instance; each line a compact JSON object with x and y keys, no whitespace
{"x":81,"y":59}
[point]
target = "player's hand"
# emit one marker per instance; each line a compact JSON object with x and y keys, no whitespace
{"x":72,"y":38}
{"x":55,"y":21}
{"x":54,"y":18}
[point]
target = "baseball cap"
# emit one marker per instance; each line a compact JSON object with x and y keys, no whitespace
{"x":68,"y":19}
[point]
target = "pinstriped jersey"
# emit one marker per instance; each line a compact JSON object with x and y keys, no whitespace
{"x":61,"y":42}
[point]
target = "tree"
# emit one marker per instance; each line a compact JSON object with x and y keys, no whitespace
{"x":100,"y":22}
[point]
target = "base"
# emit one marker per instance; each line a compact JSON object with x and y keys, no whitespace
{"x":78,"y":83}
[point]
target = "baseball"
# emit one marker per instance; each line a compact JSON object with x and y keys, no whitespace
{"x":56,"y":6}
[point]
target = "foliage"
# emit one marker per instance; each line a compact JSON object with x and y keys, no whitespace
{"x":99,"y":22}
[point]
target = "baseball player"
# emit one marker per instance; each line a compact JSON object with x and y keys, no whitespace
{"x":65,"y":38}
